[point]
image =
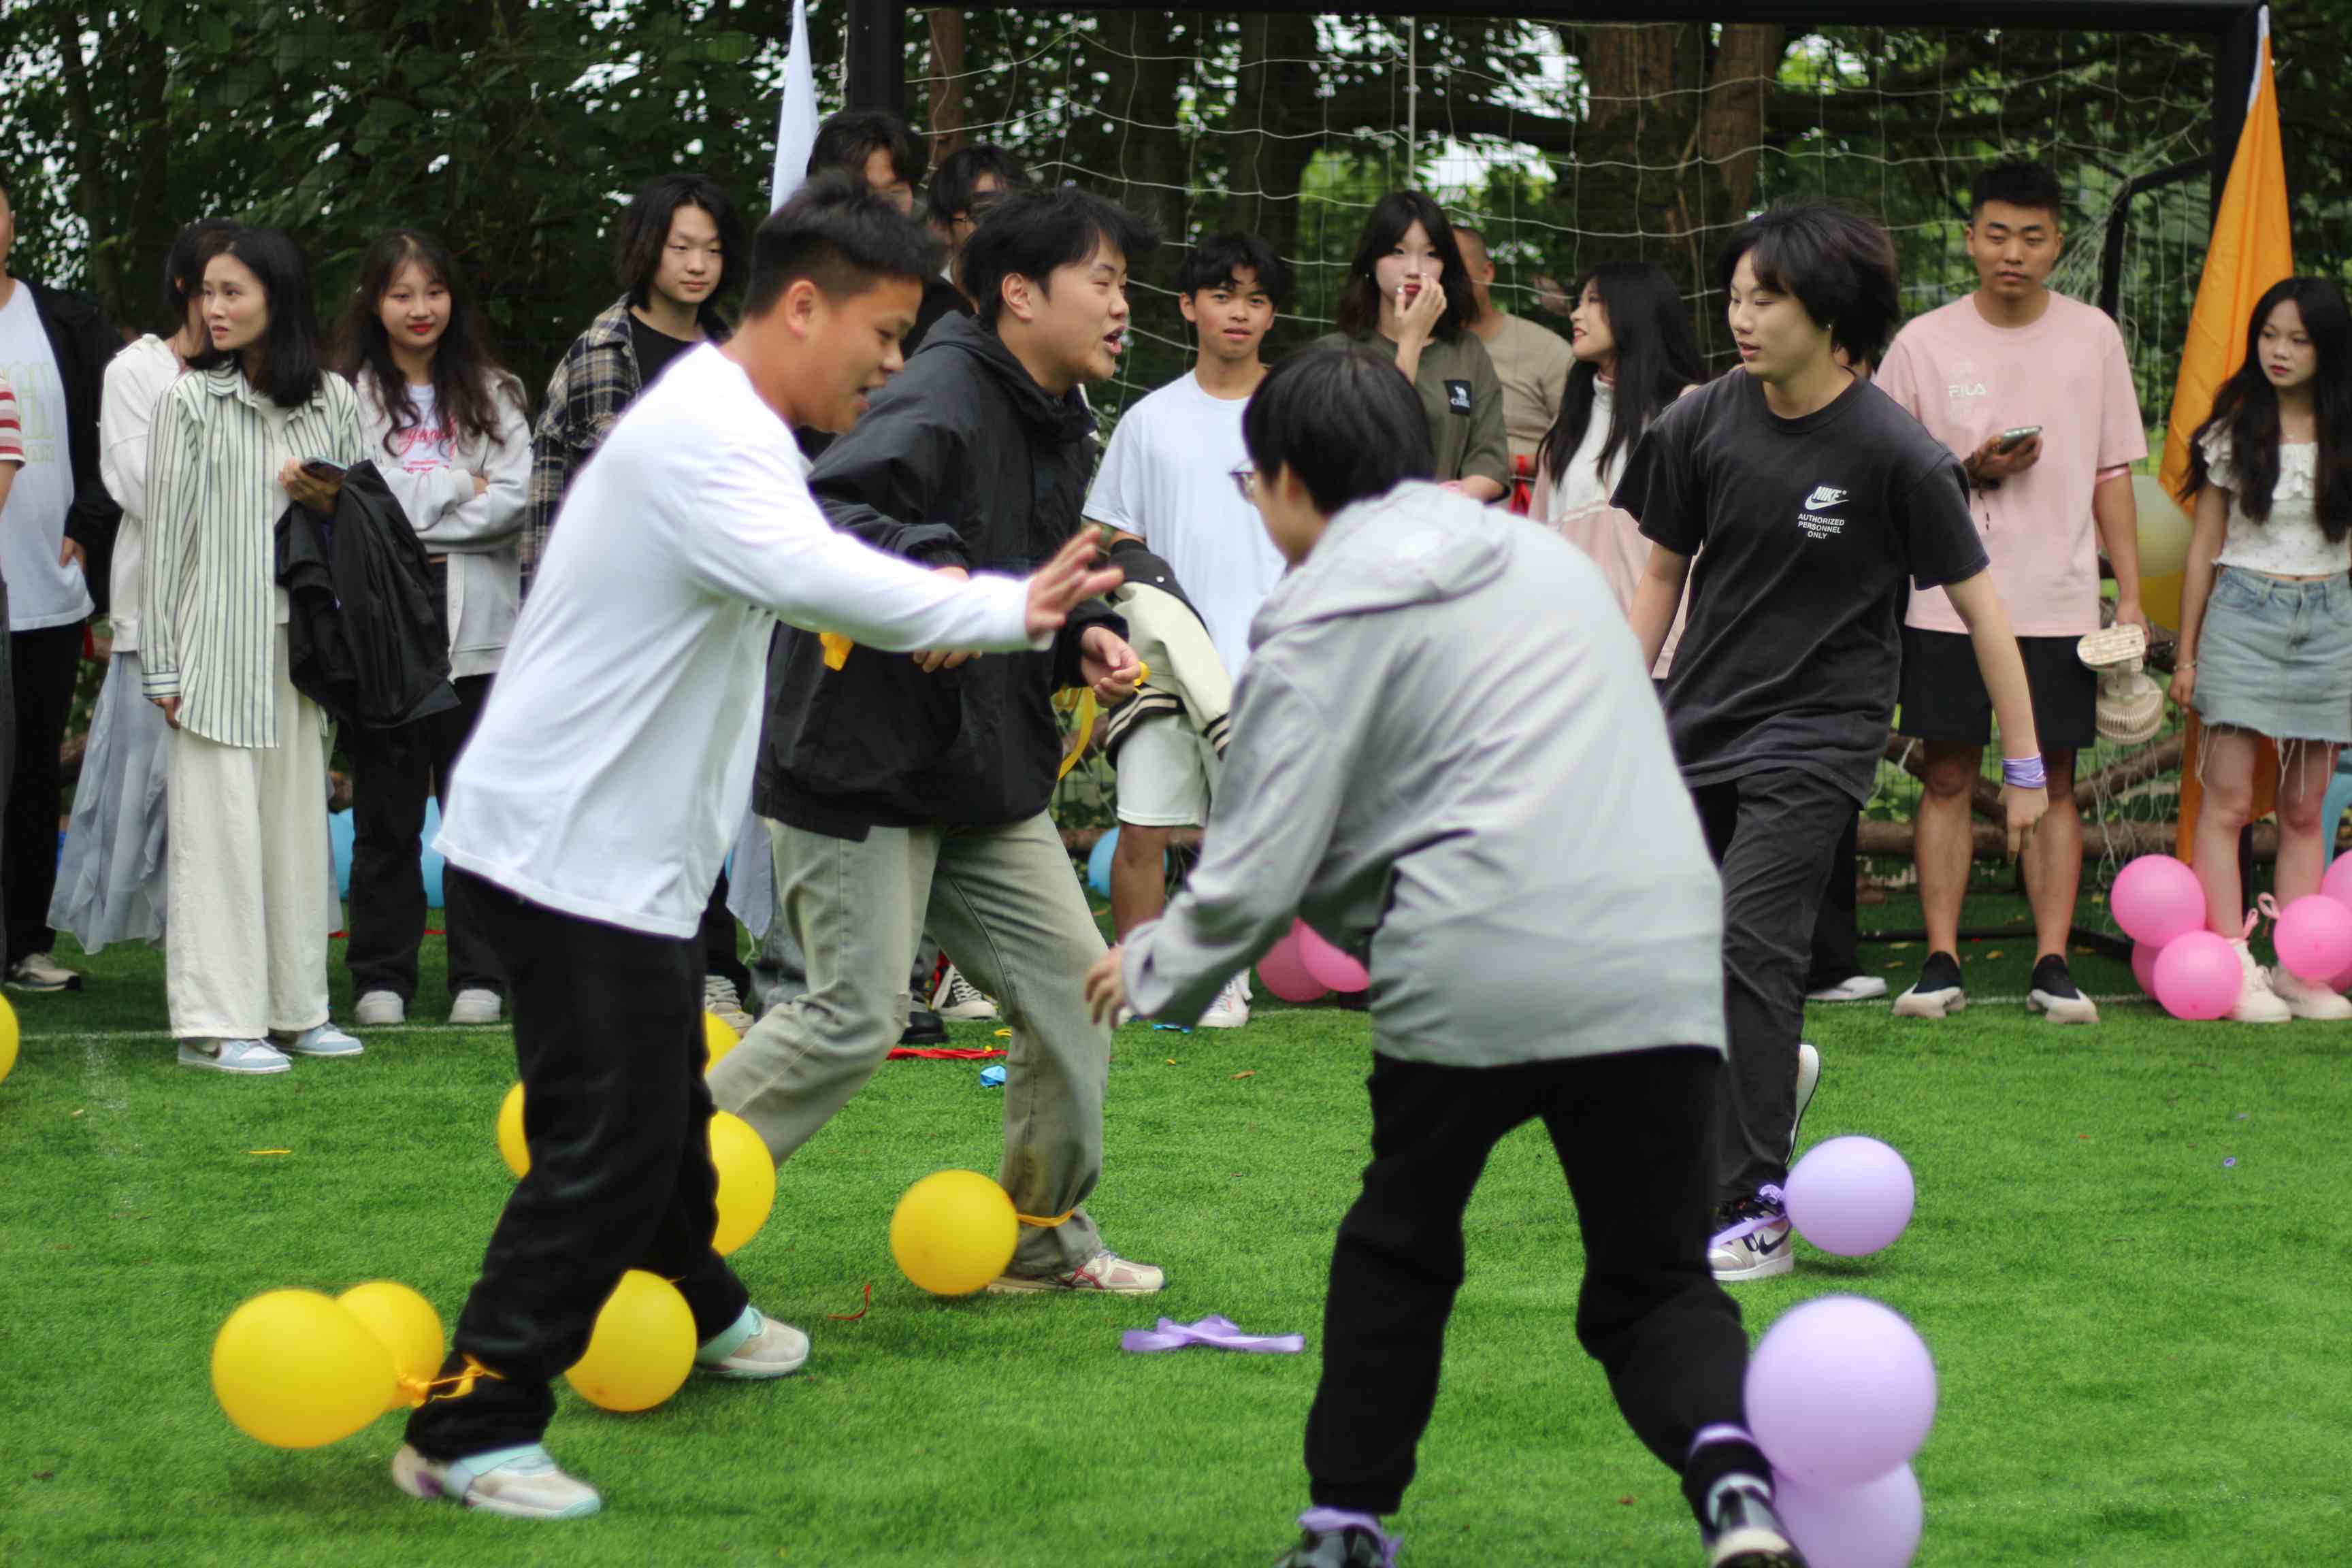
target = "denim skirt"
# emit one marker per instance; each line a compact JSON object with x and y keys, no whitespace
{"x":2275,"y":657}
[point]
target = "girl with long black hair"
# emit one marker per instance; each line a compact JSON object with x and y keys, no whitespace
{"x":2266,"y":611}
{"x":447,"y":426}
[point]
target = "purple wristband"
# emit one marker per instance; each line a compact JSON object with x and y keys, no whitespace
{"x":2024,"y":773}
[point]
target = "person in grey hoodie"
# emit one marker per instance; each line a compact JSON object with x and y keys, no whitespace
{"x":1447,"y":758}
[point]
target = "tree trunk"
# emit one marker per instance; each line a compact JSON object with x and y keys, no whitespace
{"x":93,"y":197}
{"x":947,"y":88}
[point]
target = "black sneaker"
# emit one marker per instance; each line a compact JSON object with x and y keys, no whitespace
{"x":924,"y":1027}
{"x":1338,"y":1549}
{"x":1742,"y":1531}
{"x":2053,"y":992}
{"x":1937,"y":991}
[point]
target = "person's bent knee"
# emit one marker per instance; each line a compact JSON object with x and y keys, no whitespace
{"x":1948,"y":774}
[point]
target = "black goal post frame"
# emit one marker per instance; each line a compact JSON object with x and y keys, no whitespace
{"x":876,"y":75}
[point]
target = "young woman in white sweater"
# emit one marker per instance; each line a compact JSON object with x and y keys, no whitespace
{"x":447,"y":426}
{"x":251,"y":906}
{"x":111,"y":879}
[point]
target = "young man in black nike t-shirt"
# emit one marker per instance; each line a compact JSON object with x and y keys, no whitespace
{"x":1815,"y":496}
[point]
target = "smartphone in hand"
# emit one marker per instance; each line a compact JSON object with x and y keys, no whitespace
{"x":2010,"y":440}
{"x":319,"y":469}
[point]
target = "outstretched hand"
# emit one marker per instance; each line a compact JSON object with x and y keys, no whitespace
{"x":1068,"y":581}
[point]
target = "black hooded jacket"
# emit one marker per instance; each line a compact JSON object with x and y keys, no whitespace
{"x":368,"y":635}
{"x":962,"y":460}
{"x":81,"y":342}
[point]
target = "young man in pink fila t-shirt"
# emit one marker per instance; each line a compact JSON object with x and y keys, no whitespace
{"x":2010,"y":357}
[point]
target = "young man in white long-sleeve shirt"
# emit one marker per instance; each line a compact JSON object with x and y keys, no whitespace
{"x":593,"y":808}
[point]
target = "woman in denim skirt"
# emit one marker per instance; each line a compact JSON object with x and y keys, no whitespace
{"x":2266,"y":611}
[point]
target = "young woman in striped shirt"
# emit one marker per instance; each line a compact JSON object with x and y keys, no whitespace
{"x":246,"y":954}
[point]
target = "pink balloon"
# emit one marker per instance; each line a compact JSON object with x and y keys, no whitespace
{"x":2157,"y":898}
{"x":2144,"y":959}
{"x":2198,"y":977}
{"x":1874,"y":1525}
{"x":1284,"y":971}
{"x":1334,"y":968}
{"x":1851,"y":1196}
{"x":1840,"y":1392}
{"x":2313,"y":937}
{"x":2337,"y":883}
{"x":2342,"y":982}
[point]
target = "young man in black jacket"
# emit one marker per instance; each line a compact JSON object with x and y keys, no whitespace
{"x":906,"y":793}
{"x":60,"y":537}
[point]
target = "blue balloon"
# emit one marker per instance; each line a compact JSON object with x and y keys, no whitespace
{"x":432,"y":867}
{"x":1098,"y":862}
{"x":339,"y":833}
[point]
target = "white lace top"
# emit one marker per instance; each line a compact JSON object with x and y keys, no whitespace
{"x":2289,"y":544}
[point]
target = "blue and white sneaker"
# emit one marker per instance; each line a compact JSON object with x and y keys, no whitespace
{"x":520,"y":1483}
{"x":247,"y":1057}
{"x":756,"y":1347}
{"x":1754,"y":1243}
{"x":324,"y":1040}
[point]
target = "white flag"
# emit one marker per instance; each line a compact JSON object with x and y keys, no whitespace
{"x":796,"y":126}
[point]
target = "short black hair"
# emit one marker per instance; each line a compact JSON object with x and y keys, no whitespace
{"x":1839,"y":265}
{"x":846,"y":140}
{"x":183,"y":268}
{"x":952,"y":193}
{"x":291,"y":360}
{"x":1216,"y":262}
{"x":1340,"y":417}
{"x":1032,"y":232}
{"x":644,"y":230}
{"x":2021,"y":184}
{"x":840,"y":236}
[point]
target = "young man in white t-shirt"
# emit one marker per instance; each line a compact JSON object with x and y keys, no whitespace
{"x":592,"y":808}
{"x":2034,"y":393}
{"x":1167,"y":479}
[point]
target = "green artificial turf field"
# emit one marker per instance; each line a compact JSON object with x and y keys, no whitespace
{"x":2142,"y":1346}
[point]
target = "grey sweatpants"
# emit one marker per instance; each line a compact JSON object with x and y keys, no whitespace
{"x":1003,"y":904}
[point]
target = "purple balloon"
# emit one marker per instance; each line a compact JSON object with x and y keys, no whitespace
{"x":1840,"y":1392}
{"x":2157,"y":898}
{"x":2313,"y":937}
{"x":1284,"y":971}
{"x":2144,"y":959}
{"x":2198,"y":977}
{"x":1874,"y":1525}
{"x":1851,"y":1196}
{"x":1327,"y":962}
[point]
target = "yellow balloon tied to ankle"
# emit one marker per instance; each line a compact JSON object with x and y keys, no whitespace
{"x":953,"y":1232}
{"x":717,"y":1040}
{"x":642,"y":1348}
{"x":407,"y":1327}
{"x":8,"y":1037}
{"x":295,"y":1370}
{"x":747,"y":1180}
{"x":511,"y":1147}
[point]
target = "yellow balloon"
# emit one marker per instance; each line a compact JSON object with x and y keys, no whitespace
{"x":642,"y":1348}
{"x":8,"y":1037}
{"x":511,"y":1147}
{"x":953,"y":1232}
{"x":296,"y":1370}
{"x":406,"y":1324}
{"x":717,"y":1038}
{"x":747,"y":1180}
{"x":2164,"y":528}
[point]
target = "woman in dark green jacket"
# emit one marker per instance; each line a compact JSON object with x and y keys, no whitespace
{"x":1409,"y":295}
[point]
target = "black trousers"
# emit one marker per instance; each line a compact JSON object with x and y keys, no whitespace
{"x":608,"y":1033}
{"x":394,"y":772}
{"x":1837,"y":934}
{"x":722,"y":943}
{"x":42,"y":668}
{"x":1773,"y":836}
{"x":1633,"y":1136}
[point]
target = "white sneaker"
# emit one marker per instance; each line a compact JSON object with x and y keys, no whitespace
{"x":959,"y":1001}
{"x":1106,"y":1271}
{"x":2257,"y":1002}
{"x":1231,"y":1009}
{"x":322,"y":1040}
{"x":1809,"y":1078}
{"x":719,"y":1000}
{"x":1754,"y":1243}
{"x":42,"y":971}
{"x":1853,"y":989}
{"x":233,"y":1056}
{"x":520,"y":1483}
{"x":1939,"y":993}
{"x":379,"y":1010}
{"x":2308,"y":998}
{"x":473,"y":1007}
{"x":756,"y":1348}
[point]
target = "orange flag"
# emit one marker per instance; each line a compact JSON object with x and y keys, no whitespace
{"x":2251,"y":249}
